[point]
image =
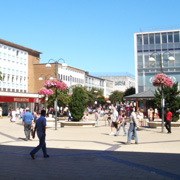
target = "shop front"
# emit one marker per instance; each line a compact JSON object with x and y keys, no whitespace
{"x":18,"y":101}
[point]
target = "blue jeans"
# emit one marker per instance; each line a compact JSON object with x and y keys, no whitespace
{"x":42,"y":144}
{"x":123,"y":125}
{"x":97,"y":121}
{"x":132,"y":131}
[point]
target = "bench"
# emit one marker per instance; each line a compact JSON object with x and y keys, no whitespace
{"x":79,"y":123}
{"x":155,"y":124}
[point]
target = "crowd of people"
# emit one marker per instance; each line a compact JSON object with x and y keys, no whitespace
{"x":116,"y":116}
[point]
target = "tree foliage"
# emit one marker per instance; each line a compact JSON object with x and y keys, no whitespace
{"x":172,"y":100}
{"x":63,"y":99}
{"x":94,"y":95}
{"x":78,"y":103}
{"x":1,"y":78}
{"x":116,"y":96}
{"x":129,"y":91}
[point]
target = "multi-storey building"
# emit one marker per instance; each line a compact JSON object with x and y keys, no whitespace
{"x":16,"y":65}
{"x":71,"y":76}
{"x":160,"y":45}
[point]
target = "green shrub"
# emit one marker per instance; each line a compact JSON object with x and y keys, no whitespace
{"x":78,"y":103}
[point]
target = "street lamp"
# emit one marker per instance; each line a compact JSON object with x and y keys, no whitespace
{"x":152,"y":60}
{"x":64,"y":66}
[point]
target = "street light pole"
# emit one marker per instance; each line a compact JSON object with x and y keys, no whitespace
{"x":64,"y":65}
{"x":152,"y":59}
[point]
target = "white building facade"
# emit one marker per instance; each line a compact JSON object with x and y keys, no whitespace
{"x":121,"y":83}
{"x":14,"y":68}
{"x":71,"y":76}
{"x":160,"y":45}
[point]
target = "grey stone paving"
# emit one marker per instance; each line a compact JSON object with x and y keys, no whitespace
{"x":89,"y":153}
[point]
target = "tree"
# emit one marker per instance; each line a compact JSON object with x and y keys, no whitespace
{"x":172,"y":99}
{"x":94,"y":95}
{"x":78,"y":103}
{"x":129,"y":91}
{"x":116,"y":96}
{"x":1,"y":78}
{"x":63,"y":99}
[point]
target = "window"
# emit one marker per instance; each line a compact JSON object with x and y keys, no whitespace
{"x":17,"y":72}
{"x":151,"y":38}
{"x":139,"y":40}
{"x":176,"y":36}
{"x":17,"y":53}
{"x":164,"y":38}
{"x":157,"y":38}
{"x":145,"y":38}
{"x":170,"y":37}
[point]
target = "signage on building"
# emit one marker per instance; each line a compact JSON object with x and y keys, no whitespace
{"x":120,"y":83}
{"x":17,"y":99}
{"x":21,"y":99}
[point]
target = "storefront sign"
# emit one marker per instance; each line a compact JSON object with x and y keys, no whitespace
{"x":17,"y":99}
{"x":21,"y":99}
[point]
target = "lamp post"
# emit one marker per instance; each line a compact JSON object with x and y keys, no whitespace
{"x":152,"y":60}
{"x":48,"y":65}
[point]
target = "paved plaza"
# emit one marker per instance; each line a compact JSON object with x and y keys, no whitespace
{"x":89,"y":153}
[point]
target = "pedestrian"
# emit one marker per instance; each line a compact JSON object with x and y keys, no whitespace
{"x":96,"y":117}
{"x":168,"y":120}
{"x":27,"y":121}
{"x":132,"y":127}
{"x":141,"y":117}
{"x":121,"y":122}
{"x":41,"y":133}
{"x":1,"y":111}
{"x":150,"y":114}
{"x":109,"y":118}
{"x":13,"y":115}
{"x":35,"y":116}
{"x":114,"y":120}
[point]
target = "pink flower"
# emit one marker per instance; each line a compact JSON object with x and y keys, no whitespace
{"x":45,"y":91}
{"x":55,"y":84}
{"x":162,"y":79}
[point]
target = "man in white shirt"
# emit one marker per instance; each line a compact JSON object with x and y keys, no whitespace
{"x":114,"y":119}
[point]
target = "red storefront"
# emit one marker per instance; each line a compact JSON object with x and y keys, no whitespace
{"x":7,"y":102}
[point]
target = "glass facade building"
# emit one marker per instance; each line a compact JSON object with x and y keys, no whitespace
{"x":160,"y":45}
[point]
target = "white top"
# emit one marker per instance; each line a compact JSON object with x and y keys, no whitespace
{"x":114,"y":116}
{"x":132,"y":119}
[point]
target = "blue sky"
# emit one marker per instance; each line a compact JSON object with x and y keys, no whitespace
{"x":92,"y":35}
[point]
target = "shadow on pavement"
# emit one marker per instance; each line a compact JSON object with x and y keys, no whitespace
{"x":67,"y":164}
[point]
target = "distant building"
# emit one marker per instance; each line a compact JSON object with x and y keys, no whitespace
{"x":106,"y":86}
{"x":121,"y":81}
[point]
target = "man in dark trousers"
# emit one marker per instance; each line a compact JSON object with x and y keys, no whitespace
{"x":41,"y":133}
{"x":168,"y":120}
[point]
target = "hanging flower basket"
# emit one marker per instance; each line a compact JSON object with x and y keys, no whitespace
{"x":44,"y":91}
{"x":55,"y":84}
{"x":162,"y":80}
